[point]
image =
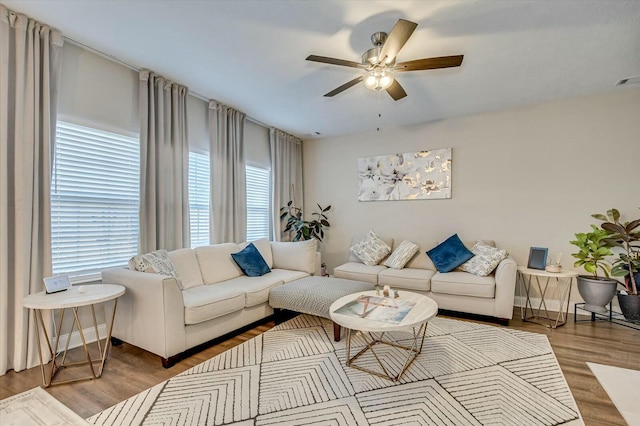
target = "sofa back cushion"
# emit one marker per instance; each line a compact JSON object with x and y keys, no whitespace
{"x":295,"y":256}
{"x":421,"y":260}
{"x":264,"y":247}
{"x":186,"y":265}
{"x":216,"y":263}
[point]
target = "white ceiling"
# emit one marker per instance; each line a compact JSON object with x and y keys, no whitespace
{"x":251,"y":54}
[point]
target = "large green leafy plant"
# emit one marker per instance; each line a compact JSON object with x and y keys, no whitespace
{"x":593,"y":250}
{"x":301,"y":229}
{"x":624,"y":235}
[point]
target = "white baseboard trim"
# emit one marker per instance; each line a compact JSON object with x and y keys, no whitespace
{"x":89,"y":336}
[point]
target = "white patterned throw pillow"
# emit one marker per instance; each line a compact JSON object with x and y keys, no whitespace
{"x":402,"y":255}
{"x":486,"y":259}
{"x":371,"y":250}
{"x":156,"y":262}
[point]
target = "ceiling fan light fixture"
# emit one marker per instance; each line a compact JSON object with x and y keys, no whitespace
{"x":379,"y":79}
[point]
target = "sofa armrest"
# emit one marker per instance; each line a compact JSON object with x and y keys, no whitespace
{"x":505,"y":288}
{"x":150,"y":314}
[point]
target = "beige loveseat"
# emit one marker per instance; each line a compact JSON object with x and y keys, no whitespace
{"x":458,"y":291}
{"x":209,"y":298}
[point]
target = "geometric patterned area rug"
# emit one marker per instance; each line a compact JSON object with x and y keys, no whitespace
{"x":37,"y":407}
{"x":294,"y":374}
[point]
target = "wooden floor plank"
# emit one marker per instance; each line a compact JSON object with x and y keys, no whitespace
{"x":131,"y":370}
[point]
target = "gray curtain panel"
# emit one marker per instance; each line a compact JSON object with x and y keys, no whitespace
{"x":286,"y":175}
{"x":228,"y":179}
{"x":30,"y":61}
{"x":164,"y":164}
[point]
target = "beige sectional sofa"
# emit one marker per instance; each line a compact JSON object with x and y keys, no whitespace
{"x":492,"y":295}
{"x":209,"y":298}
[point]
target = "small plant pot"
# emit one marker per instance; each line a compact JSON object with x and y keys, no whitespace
{"x":630,"y":306}
{"x":596,"y":292}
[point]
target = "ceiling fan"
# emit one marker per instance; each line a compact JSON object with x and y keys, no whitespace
{"x":380,"y":62}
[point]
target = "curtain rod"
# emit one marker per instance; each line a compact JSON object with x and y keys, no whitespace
{"x":137,"y":69}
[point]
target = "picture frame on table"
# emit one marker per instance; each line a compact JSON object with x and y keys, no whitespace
{"x":56,"y":284}
{"x":537,"y":258}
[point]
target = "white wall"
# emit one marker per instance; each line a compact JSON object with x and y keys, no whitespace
{"x":522,"y":177}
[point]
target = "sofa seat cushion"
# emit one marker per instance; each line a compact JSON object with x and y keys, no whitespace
{"x":206,"y":302}
{"x":359,"y":272}
{"x":286,"y":275}
{"x":464,"y":284}
{"x":410,"y":279}
{"x":256,"y":289}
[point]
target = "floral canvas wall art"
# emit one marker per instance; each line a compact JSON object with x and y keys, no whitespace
{"x":422,"y":175}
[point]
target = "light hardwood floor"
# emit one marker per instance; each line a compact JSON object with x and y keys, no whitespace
{"x":130,"y":370}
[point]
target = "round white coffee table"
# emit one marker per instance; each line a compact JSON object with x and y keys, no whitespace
{"x":377,"y":324}
{"x":73,"y":298}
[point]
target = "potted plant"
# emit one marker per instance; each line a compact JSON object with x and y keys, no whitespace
{"x":301,"y":229}
{"x":596,"y":291}
{"x":625,"y":236}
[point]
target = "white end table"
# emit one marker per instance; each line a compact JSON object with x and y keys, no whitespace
{"x":424,"y":310}
{"x":72,"y":299}
{"x":543,"y":280}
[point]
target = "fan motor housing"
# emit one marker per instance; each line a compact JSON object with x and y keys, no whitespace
{"x":371,"y":56}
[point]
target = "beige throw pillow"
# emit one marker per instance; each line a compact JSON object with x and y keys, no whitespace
{"x":371,"y":250}
{"x":486,"y":259}
{"x":402,"y":254}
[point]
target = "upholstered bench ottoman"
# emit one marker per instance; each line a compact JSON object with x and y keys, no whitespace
{"x":314,"y":295}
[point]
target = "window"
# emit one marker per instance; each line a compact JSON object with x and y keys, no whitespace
{"x":199,"y":198}
{"x":257,"y":203}
{"x":94,"y":199}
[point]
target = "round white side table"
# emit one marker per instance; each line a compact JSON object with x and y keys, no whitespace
{"x":416,"y":319}
{"x":562,"y":282}
{"x":72,"y":299}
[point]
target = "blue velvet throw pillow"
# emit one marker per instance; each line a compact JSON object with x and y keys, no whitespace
{"x":449,"y":254}
{"x":251,"y":261}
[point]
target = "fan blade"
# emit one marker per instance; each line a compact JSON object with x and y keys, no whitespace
{"x":334,"y":61}
{"x":344,"y":86}
{"x":399,"y":35}
{"x":396,"y":91}
{"x":429,"y":63}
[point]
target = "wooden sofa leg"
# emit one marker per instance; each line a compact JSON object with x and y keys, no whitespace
{"x":336,"y":332}
{"x":169,"y":362}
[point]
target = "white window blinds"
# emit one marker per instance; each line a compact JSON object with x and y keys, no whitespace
{"x":257,"y":203}
{"x":199,"y":185}
{"x":94,"y":199}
